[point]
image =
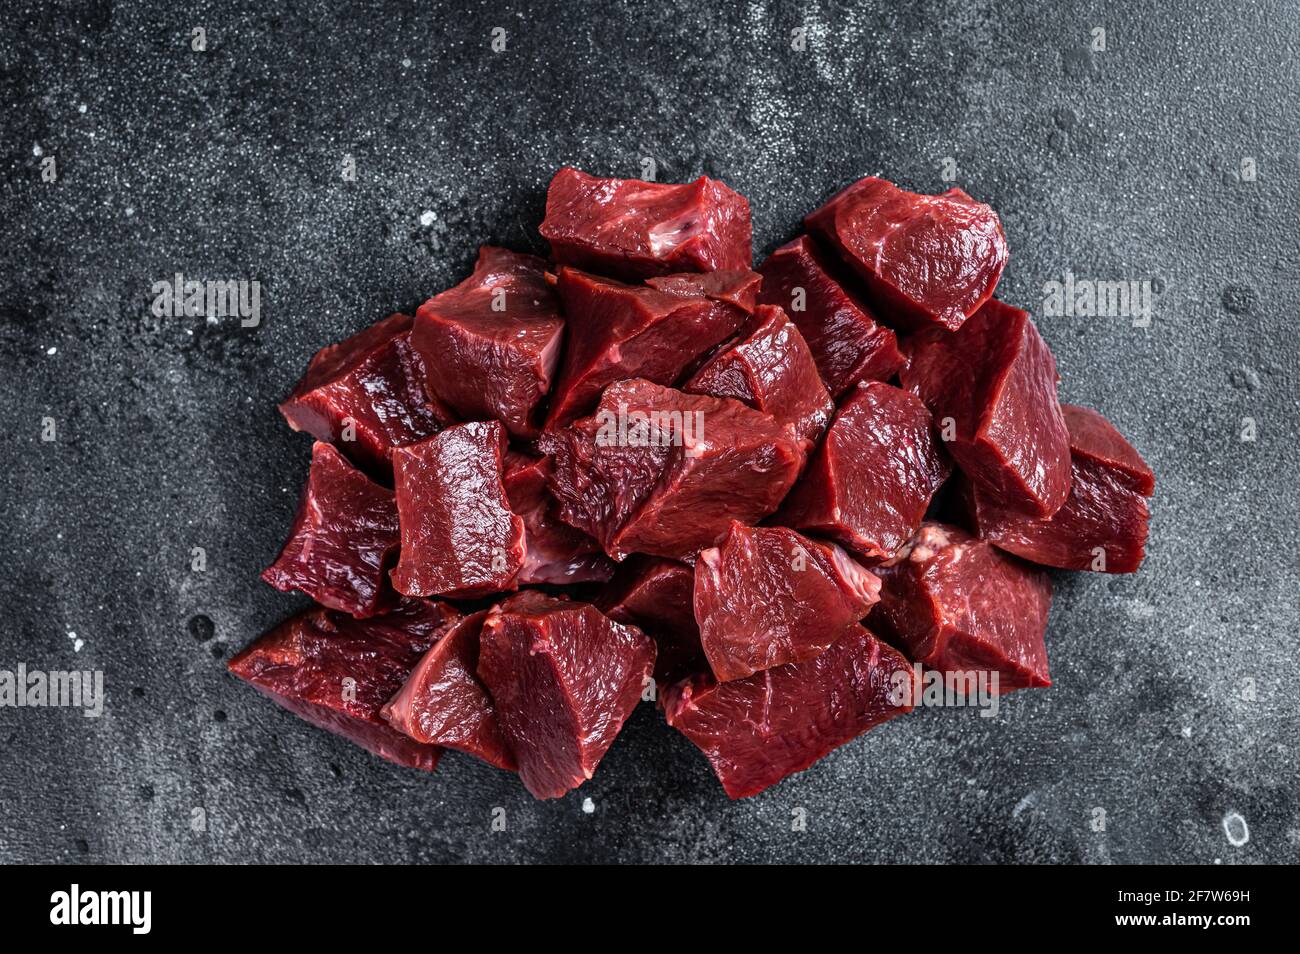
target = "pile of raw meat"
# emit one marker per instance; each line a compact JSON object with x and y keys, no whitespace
{"x":641,"y":471}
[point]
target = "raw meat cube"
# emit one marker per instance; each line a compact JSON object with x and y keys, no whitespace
{"x":491,"y":344}
{"x":758,"y":730}
{"x":661,"y":472}
{"x":555,"y":552}
{"x":657,"y":596}
{"x":564,"y":679}
{"x":337,"y":672}
{"x":926,"y":259}
{"x":366,"y":395}
{"x":956,"y":604}
{"x":770,"y":369}
{"x":869,"y":484}
{"x":632,"y":229}
{"x":992,"y":384}
{"x":767,"y":596}
{"x":651,"y":331}
{"x":344,"y":539}
{"x":843,"y":336}
{"x":443,"y":702}
{"x":459,"y":537}
{"x":1103,"y":525}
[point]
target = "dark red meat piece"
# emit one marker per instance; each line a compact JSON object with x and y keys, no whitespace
{"x":459,"y":536}
{"x":843,"y":336}
{"x":661,"y":472}
{"x":993,"y":383}
{"x":956,"y":604}
{"x":555,"y":552}
{"x":633,"y":229}
{"x":344,"y":539}
{"x":564,"y":679}
{"x":651,"y":331}
{"x":770,"y":369}
{"x":366,"y":395}
{"x":767,"y":596}
{"x":337,"y":672}
{"x":869,"y":484}
{"x":657,"y":596}
{"x":1103,"y":525}
{"x":443,"y":702}
{"x":491,"y":344}
{"x":758,"y":730}
{"x":926,"y":259}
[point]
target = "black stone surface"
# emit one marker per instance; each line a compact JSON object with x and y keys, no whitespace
{"x":1174,"y":704}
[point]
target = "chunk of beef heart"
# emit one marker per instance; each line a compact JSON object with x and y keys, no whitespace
{"x":337,"y":672}
{"x":459,"y":536}
{"x":344,"y":539}
{"x":564,"y":679}
{"x":555,"y":552}
{"x":651,"y":331}
{"x":767,"y":596}
{"x":770,"y":369}
{"x":756,"y":731}
{"x":657,"y":596}
{"x":869,"y":484}
{"x":366,"y":395}
{"x":926,"y":259}
{"x":632,"y":229}
{"x":1103,"y":524}
{"x":661,"y":472}
{"x":956,"y":604}
{"x":845,"y":340}
{"x":491,"y":344}
{"x":993,"y":384}
{"x":443,"y":702}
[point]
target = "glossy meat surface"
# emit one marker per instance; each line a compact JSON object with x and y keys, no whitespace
{"x":956,"y":604}
{"x":657,"y":596}
{"x":443,"y":702}
{"x":869,"y":484}
{"x":490,"y":345}
{"x":759,"y":730}
{"x":661,"y":472}
{"x":564,"y":679}
{"x":650,"y":331}
{"x":459,"y":536}
{"x":845,"y":340}
{"x":337,"y":672}
{"x":632,"y":229}
{"x":555,"y":552}
{"x":1103,"y":524}
{"x":767,"y":596}
{"x":769,"y":368}
{"x":344,"y":539}
{"x":995,"y":382}
{"x":366,"y":395}
{"x":926,"y":259}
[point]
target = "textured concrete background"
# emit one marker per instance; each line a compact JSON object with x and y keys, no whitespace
{"x":1174,"y":704}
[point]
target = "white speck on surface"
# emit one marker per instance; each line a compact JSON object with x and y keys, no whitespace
{"x":130,"y":210}
{"x":81,"y":108}
{"x":406,"y":64}
{"x":1187,"y":732}
{"x":1022,"y":805}
{"x":76,"y":643}
{"x":427,"y":218}
{"x":51,"y":351}
{"x":1235,"y":827}
{"x":588,"y":806}
{"x":37,"y":150}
